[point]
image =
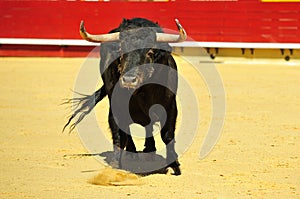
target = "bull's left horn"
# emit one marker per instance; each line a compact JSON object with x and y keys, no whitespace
{"x":97,"y":38}
{"x":172,"y":38}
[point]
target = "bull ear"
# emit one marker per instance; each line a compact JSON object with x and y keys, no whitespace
{"x":125,"y":21}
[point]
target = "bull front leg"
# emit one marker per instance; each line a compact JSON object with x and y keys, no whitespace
{"x":115,"y":162}
{"x":121,"y":140}
{"x":168,"y":137}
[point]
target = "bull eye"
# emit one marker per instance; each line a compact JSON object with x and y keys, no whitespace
{"x":150,"y":53}
{"x":119,"y":68}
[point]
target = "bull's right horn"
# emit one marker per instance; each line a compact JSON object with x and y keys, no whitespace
{"x":172,"y":38}
{"x":98,"y":38}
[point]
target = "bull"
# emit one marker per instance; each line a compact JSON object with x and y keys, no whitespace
{"x":134,"y":57}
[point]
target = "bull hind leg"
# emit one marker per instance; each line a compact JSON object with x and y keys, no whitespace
{"x":126,"y":141}
{"x":130,"y":146}
{"x":149,"y":141}
{"x":168,"y":137}
{"x":130,"y":153}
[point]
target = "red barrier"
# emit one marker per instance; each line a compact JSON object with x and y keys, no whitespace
{"x":211,"y":21}
{"x":230,"y":21}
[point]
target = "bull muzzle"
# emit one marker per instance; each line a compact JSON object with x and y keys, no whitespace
{"x":130,"y":81}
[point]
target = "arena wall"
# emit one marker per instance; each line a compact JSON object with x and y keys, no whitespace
{"x":210,"y":23}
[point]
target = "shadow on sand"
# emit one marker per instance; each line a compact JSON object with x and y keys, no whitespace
{"x":139,"y":163}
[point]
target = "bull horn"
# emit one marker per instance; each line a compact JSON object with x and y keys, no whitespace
{"x":172,"y":38}
{"x":97,"y":38}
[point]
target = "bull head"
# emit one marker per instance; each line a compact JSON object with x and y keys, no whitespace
{"x":140,"y":49}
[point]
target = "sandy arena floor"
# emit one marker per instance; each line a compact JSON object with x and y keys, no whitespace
{"x":257,"y":156}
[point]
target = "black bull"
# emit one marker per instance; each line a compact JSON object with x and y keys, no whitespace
{"x":138,"y":72}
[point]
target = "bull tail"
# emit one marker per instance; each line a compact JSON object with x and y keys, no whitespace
{"x":83,"y":106}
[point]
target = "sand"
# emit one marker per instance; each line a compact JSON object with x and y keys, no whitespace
{"x":257,"y":156}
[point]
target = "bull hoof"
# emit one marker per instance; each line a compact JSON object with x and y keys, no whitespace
{"x":176,"y":170}
{"x":175,"y":166}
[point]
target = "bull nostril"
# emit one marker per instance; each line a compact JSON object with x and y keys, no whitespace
{"x":133,"y":80}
